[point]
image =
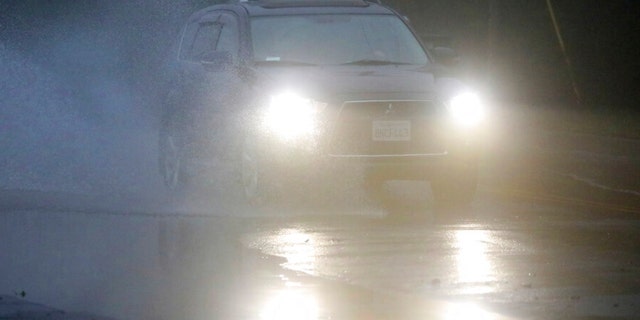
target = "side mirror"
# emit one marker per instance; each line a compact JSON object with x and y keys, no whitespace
{"x":446,"y":56}
{"x":217,"y":61}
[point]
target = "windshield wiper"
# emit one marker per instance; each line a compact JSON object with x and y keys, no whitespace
{"x":284,"y":63}
{"x":373,"y":62}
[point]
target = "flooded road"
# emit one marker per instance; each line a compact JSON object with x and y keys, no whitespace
{"x":500,"y":259}
{"x":526,"y":261}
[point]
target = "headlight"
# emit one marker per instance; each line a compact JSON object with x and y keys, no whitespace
{"x":467,"y":110}
{"x":290,"y":116}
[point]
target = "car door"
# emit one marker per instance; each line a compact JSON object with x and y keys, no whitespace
{"x":226,"y":90}
{"x":208,"y":94}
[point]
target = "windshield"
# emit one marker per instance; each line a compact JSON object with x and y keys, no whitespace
{"x":335,"y":39}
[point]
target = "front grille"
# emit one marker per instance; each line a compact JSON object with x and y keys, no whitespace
{"x":353,"y":133}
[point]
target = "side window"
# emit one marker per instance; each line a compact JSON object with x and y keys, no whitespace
{"x":205,"y":40}
{"x":187,"y":40}
{"x":229,"y":35}
{"x":215,"y":32}
{"x":200,"y":37}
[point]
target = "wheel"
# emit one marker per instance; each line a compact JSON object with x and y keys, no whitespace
{"x":456,"y":186}
{"x":171,"y":162}
{"x":256,"y":183}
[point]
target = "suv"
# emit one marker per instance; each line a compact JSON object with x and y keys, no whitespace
{"x":286,"y":88}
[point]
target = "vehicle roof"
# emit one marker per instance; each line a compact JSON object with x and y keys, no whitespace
{"x":296,"y":7}
{"x":288,"y":7}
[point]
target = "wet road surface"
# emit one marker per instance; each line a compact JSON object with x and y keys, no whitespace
{"x":503,"y":258}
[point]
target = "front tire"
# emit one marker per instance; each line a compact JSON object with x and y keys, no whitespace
{"x":257,"y":186}
{"x":172,"y":162}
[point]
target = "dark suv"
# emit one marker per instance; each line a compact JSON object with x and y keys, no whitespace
{"x":286,"y":88}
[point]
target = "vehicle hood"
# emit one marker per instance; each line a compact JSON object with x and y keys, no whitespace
{"x":342,"y":83}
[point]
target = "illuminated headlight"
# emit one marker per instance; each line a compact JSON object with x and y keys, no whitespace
{"x":467,"y":110}
{"x":290,"y":116}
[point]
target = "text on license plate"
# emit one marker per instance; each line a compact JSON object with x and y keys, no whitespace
{"x":391,"y":130}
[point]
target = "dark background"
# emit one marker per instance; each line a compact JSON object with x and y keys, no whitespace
{"x":511,"y":50}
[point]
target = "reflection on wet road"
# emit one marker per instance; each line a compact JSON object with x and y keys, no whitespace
{"x":522,"y":260}
{"x":473,"y":262}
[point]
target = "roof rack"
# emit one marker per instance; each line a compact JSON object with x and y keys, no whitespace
{"x":235,"y":1}
{"x":328,"y":1}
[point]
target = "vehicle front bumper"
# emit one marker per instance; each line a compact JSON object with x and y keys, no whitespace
{"x":301,"y":159}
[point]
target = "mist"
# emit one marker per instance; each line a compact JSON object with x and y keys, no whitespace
{"x":79,"y":94}
{"x":81,"y":83}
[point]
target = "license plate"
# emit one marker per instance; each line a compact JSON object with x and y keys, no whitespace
{"x":391,"y":131}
